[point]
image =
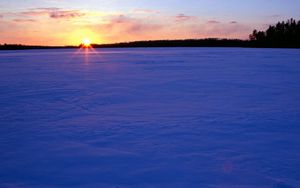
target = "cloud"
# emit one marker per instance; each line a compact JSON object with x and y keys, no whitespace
{"x":45,"y":9}
{"x":24,"y":20}
{"x":183,"y":17}
{"x":1,"y":16}
{"x":54,"y":12}
{"x":120,"y":19}
{"x":213,"y":22}
{"x":39,"y":11}
{"x":233,"y":22}
{"x":65,"y":14}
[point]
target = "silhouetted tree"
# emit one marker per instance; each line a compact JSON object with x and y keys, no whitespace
{"x":283,"y":34}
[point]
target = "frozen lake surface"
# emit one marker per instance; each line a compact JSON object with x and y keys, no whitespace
{"x":162,"y":117}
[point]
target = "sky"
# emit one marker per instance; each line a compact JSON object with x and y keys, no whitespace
{"x":65,"y":22}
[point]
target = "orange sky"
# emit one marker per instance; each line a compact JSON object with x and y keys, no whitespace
{"x":59,"y":22}
{"x":60,"y":27}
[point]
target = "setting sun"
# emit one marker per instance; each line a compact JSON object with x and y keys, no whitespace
{"x":86,"y":42}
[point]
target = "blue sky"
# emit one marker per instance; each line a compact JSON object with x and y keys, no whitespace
{"x":289,"y":8}
{"x":192,"y":15}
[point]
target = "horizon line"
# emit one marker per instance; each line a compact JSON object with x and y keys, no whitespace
{"x":125,"y":42}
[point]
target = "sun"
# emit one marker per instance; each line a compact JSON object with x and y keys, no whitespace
{"x":86,"y":42}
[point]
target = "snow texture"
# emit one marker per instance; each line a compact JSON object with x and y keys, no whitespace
{"x":161,"y":117}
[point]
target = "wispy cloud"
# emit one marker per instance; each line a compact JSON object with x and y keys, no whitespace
{"x":213,"y":22}
{"x":54,"y":12}
{"x":24,"y":20}
{"x":183,"y":17}
{"x":66,"y":14}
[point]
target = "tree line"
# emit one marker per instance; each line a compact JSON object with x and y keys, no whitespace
{"x":209,"y":42}
{"x":283,"y":34}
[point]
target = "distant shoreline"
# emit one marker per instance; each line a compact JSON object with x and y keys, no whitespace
{"x":161,"y":44}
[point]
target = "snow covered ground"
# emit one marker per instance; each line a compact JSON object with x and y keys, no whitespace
{"x":162,"y":117}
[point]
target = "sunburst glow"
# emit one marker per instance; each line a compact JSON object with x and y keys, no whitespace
{"x":86,"y":42}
